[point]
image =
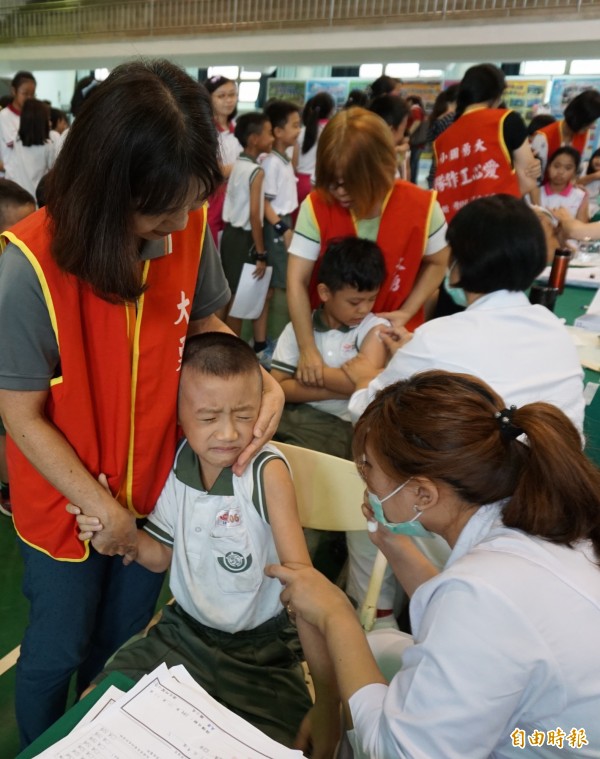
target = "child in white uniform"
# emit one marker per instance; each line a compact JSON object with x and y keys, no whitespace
{"x":217,"y":531}
{"x":33,"y":152}
{"x":350,"y":276}
{"x":590,"y":181}
{"x":559,"y":191}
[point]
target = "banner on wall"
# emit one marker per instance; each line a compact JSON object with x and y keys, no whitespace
{"x":287,"y":89}
{"x":427,"y":91}
{"x":336,"y":87}
{"x":525,"y":96}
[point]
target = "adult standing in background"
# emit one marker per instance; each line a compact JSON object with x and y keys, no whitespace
{"x":224,"y":97}
{"x":356,"y":194}
{"x":572,"y":130}
{"x":486,"y":150}
{"x":97,"y":294}
{"x":440,"y":118}
{"x":22,"y":87}
{"x":416,"y":130}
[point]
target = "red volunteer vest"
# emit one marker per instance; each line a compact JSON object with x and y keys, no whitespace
{"x":472,"y":160}
{"x":115,"y":397}
{"x":402,"y":237}
{"x":555,"y":139}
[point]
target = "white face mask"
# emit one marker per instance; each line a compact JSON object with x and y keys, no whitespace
{"x":412,"y":527}
{"x":456,"y":293}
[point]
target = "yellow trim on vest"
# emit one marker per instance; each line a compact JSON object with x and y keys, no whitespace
{"x":503,"y":146}
{"x":313,"y":214}
{"x":204,"y":221}
{"x":42,"y":279}
{"x":428,"y":219}
{"x":3,"y":243}
{"x":57,"y":558}
{"x":134,"y":377}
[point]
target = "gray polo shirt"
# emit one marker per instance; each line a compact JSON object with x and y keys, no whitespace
{"x":29,"y":356}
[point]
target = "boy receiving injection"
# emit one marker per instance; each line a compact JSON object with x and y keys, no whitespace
{"x":351,"y":273}
{"x":217,"y":532}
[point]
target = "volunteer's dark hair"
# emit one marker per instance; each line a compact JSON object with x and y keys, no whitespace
{"x":220,"y":354}
{"x":247,"y":124}
{"x":498,"y":244}
{"x":480,"y":84}
{"x":161,"y":145}
{"x":444,"y":426}
{"x":567,"y":150}
{"x":352,"y":262}
{"x":34,"y":126}
{"x":540,"y":121}
{"x":320,"y":106}
{"x":583,"y":110}
{"x":279,"y":111}
{"x":383,"y":85}
{"x":392,"y":109}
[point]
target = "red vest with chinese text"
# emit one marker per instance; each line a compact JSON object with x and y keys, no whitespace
{"x":472,"y":160}
{"x":115,"y":394}
{"x":402,"y":237}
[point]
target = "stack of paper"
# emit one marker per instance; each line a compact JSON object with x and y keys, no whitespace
{"x":591,"y":319}
{"x":166,"y":715}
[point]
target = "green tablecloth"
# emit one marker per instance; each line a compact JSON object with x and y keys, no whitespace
{"x":68,"y":721}
{"x":569,"y":306}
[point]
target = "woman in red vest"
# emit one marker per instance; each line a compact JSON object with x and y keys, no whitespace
{"x":97,"y":294}
{"x":486,"y":150}
{"x":574,"y":129}
{"x":356,"y":194}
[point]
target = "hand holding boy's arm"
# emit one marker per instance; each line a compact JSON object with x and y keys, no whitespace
{"x":360,"y":371}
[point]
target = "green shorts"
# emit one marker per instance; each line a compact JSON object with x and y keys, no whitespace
{"x":236,"y":247}
{"x":277,"y":252}
{"x":309,"y":427}
{"x":256,"y":673}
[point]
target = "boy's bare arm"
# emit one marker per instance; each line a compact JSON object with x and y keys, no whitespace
{"x":256,"y":191}
{"x":374,"y":349}
{"x":296,"y":392}
{"x":321,"y":726}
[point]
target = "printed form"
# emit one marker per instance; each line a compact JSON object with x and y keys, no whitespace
{"x":165,"y":715}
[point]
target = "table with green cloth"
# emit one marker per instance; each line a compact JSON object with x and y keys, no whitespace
{"x":570,"y":305}
{"x":67,"y":722}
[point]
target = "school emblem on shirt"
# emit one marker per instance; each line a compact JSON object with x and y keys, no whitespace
{"x":235,"y":562}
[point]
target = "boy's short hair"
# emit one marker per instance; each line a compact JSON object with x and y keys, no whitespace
{"x":248,"y":124}
{"x":12,"y":194}
{"x":279,"y":111}
{"x":567,"y":150}
{"x":220,"y":354}
{"x":352,"y":262}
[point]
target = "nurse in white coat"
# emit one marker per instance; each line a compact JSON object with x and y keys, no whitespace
{"x":505,"y":656}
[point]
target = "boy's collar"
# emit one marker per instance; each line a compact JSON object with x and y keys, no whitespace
{"x":320,"y":325}
{"x":281,"y":154}
{"x":187,"y":470}
{"x":249,"y":157}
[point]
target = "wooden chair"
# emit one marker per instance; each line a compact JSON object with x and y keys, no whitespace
{"x":329,"y":493}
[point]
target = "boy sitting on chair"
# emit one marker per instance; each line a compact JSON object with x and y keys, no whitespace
{"x":217,"y":532}
{"x":349,"y":278}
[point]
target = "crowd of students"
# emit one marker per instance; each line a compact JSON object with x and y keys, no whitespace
{"x":114,"y":311}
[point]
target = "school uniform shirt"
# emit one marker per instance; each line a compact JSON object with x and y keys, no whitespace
{"x":9,"y":129}
{"x":236,"y":208}
{"x":27,"y":165}
{"x":229,"y":146}
{"x":307,"y":161}
{"x":522,"y":351}
{"x":570,"y":198}
{"x":336,"y":346}
{"x":221,"y":541}
{"x":505,"y":639}
{"x":280,"y":183}
{"x":593,"y":191}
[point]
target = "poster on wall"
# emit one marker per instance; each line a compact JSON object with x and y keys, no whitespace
{"x":525,"y":96}
{"x":426,"y":90}
{"x":336,"y":87}
{"x":287,"y":89}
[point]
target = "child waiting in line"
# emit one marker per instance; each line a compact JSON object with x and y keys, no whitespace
{"x":33,"y":152}
{"x":15,"y":204}
{"x":559,"y":190}
{"x":281,"y":191}
{"x":349,"y":278}
{"x":243,"y":212}
{"x":217,"y":532}
{"x":591,"y":182}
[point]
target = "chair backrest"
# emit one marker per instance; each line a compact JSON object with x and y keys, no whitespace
{"x":329,"y":493}
{"x":329,"y":490}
